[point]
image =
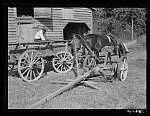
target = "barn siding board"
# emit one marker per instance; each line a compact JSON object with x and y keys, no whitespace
{"x":57,"y":13}
{"x":57,"y":9}
{"x":12,"y":37}
{"x":44,"y":12}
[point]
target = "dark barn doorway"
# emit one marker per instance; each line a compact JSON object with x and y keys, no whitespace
{"x":76,"y":28}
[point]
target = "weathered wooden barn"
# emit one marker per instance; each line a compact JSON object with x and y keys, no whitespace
{"x":24,"y":22}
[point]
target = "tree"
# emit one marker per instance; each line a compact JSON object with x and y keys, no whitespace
{"x":118,"y":20}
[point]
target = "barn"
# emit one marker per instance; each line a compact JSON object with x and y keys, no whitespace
{"x":24,"y":22}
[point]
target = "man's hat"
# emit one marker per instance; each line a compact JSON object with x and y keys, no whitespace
{"x":44,"y":28}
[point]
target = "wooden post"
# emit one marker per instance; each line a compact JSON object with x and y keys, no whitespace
{"x":66,"y":47}
{"x":68,"y":86}
{"x":132,"y":30}
{"x":76,"y":59}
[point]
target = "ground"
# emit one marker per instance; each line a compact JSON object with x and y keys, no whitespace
{"x":129,"y":94}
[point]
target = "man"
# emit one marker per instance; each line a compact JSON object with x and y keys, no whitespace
{"x":40,"y":35}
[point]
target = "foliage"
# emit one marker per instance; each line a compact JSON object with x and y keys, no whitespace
{"x":119,"y":20}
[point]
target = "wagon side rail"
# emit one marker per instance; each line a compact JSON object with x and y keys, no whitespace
{"x":40,"y":43}
{"x":37,"y":45}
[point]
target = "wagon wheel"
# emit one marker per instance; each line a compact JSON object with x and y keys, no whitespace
{"x":89,"y":62}
{"x":30,"y":65}
{"x":122,"y":69}
{"x":63,"y":62}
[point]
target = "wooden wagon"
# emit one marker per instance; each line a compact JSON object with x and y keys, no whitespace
{"x":31,"y":58}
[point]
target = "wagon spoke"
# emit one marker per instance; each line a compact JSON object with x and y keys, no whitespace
{"x":39,"y":66}
{"x":68,"y":65}
{"x":32,"y":56}
{"x":67,"y":58}
{"x":24,"y":67}
{"x":25,"y":63}
{"x":25,"y":71}
{"x":57,"y":58}
{"x":34,"y":76}
{"x":62,"y":55}
{"x":66,"y":55}
{"x":30,"y":74}
{"x":57,"y":63}
{"x":37,"y":59}
{"x":65,"y":68}
{"x":61,"y":68}
{"x":27,"y":57}
{"x":38,"y":63}
{"x":37,"y":72}
{"x":69,"y":62}
{"x":58,"y":66}
{"x":27,"y":74}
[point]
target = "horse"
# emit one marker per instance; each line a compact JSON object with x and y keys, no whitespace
{"x":96,"y":42}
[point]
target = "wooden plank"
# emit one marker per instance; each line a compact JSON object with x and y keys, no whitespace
{"x":54,"y":33}
{"x":81,"y":11}
{"x":67,"y":13}
{"x":42,"y":12}
{"x":60,"y":82}
{"x":13,"y":27}
{"x":82,"y":17}
{"x":57,"y":9}
{"x":54,"y":37}
{"x":11,"y":15}
{"x":57,"y":17}
{"x":54,"y":94}
{"x":10,"y":41}
{"x":11,"y":20}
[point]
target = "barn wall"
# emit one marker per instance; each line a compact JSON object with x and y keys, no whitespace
{"x":80,"y":15}
{"x":55,"y":23}
{"x":12,"y":26}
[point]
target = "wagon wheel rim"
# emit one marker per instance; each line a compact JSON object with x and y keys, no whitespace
{"x":89,"y":61}
{"x":124,"y":70}
{"x":31,"y":65}
{"x":63,"y":62}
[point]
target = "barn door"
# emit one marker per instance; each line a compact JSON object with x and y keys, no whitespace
{"x":26,"y":33}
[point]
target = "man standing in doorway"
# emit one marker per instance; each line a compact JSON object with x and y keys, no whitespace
{"x":40,"y":35}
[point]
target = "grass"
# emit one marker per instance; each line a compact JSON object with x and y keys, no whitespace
{"x":116,"y":95}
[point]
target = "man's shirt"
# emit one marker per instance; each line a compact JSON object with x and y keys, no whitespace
{"x":39,"y":35}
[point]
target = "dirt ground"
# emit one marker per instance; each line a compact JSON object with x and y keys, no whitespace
{"x":129,"y":94}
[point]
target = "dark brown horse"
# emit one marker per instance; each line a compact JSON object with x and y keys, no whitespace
{"x":96,"y":42}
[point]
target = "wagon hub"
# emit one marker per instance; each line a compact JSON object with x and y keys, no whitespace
{"x":31,"y":65}
{"x":63,"y":60}
{"x":34,"y":66}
